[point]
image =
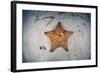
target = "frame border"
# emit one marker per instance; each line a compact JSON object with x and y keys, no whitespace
{"x":13,"y":35}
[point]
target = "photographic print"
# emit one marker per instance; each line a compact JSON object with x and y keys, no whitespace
{"x":53,"y":36}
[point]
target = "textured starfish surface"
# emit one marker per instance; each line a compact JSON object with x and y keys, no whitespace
{"x":59,"y":37}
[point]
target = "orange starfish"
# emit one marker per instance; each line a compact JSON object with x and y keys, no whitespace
{"x":59,"y":37}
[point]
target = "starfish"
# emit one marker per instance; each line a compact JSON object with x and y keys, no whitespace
{"x":59,"y":37}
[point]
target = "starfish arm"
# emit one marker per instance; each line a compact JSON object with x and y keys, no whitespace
{"x":52,"y":49}
{"x":54,"y":40}
{"x":64,"y":42}
{"x":65,"y":39}
{"x":69,"y":33}
{"x":65,"y":46}
{"x":54,"y":43}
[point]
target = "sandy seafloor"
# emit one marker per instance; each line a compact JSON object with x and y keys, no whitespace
{"x":35,"y":23}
